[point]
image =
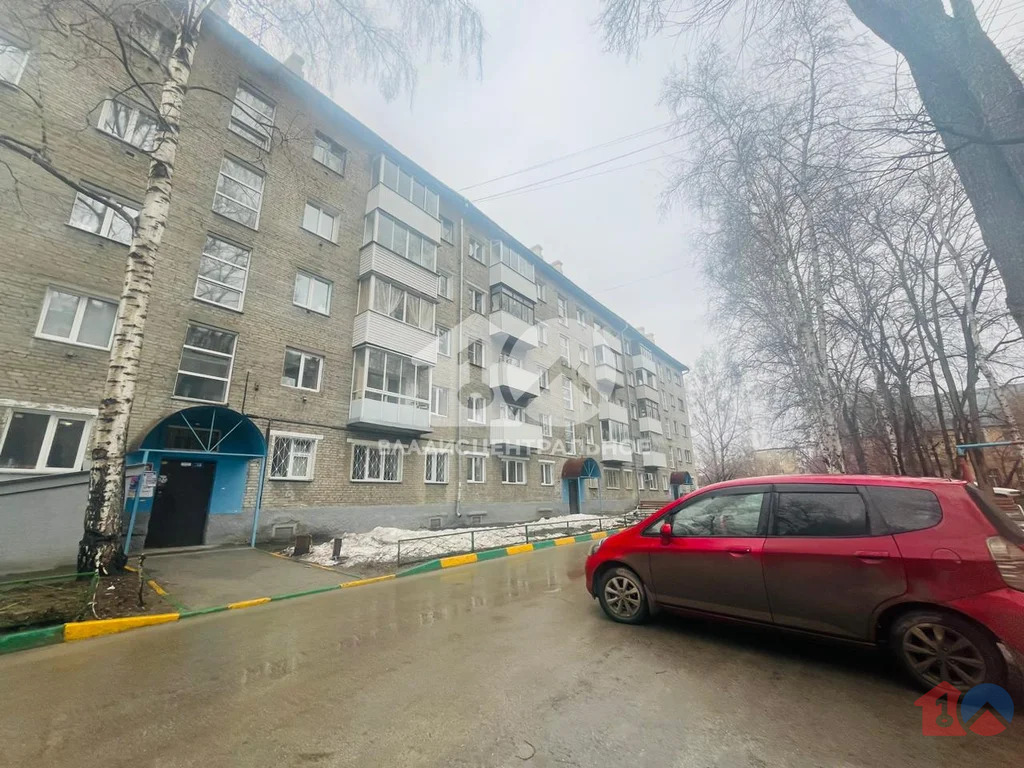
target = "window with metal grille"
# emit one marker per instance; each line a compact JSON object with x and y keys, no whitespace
{"x":435,"y":467}
{"x":377,"y":464}
{"x":292,"y":457}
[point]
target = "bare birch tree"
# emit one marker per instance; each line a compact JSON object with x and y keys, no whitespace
{"x":973,"y":97}
{"x":719,"y":419}
{"x":377,"y":40}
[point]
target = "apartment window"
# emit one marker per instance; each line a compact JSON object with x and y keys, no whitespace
{"x":627,"y":477}
{"x":42,"y":441}
{"x":302,"y":370}
{"x":407,"y":243}
{"x":593,"y":483}
{"x":570,"y":439}
{"x":545,"y":425}
{"x":376,"y":464}
{"x":129,"y":124}
{"x":542,"y":334}
{"x":679,"y":381}
{"x":477,"y":300}
{"x":390,"y":378}
{"x":614,"y":431}
{"x":312,"y":293}
{"x":542,"y":377}
{"x":667,"y":426}
{"x":634,"y":411}
{"x":389,"y":299}
{"x":444,"y":341}
{"x":689,"y":456}
{"x":591,"y":435}
{"x":477,"y":408}
{"x":547,"y":472}
{"x":679,"y":455}
{"x":542,"y":292}
{"x":664,"y":481}
{"x":567,"y":393}
{"x":563,"y":347}
{"x":588,"y":395}
{"x":239,"y":193}
{"x":292,"y":456}
{"x":13,"y":58}
{"x":475,"y":353}
{"x":650,"y":481}
{"x":223,"y":272}
{"x":581,"y":316}
{"x":476,"y":468}
{"x":393,"y":177}
{"x":329,"y":153}
{"x":320,"y":221}
{"x":501,"y":253}
{"x":435,"y":467}
{"x":447,"y":230}
{"x":506,"y":300}
{"x":439,"y":401}
{"x":252,"y":117}
{"x":510,"y":412}
{"x":476,"y":250}
{"x":91,"y":215}
{"x":613,"y":478}
{"x":513,"y":472}
{"x":76,"y":319}
{"x":584,"y":354}
{"x":204,"y":371}
{"x":444,"y":285}
{"x":563,"y":310}
{"x":682,"y":405}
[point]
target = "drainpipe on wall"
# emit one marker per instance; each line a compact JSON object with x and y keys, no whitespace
{"x":458,"y":367}
{"x":630,"y":402}
{"x":259,"y":486}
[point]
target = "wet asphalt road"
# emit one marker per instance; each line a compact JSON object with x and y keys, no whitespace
{"x":506,"y":663}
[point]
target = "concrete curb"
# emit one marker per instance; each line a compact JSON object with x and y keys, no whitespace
{"x":83,"y":630}
{"x":493,"y":554}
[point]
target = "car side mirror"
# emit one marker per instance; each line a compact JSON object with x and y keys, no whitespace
{"x":666,"y":531}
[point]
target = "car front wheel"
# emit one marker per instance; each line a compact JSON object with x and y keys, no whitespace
{"x":622,"y":596}
{"x":935,"y":647}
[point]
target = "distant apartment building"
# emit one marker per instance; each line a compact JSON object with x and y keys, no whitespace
{"x":336,"y":339}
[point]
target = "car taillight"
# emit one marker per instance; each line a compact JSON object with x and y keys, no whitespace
{"x":1009,"y":559}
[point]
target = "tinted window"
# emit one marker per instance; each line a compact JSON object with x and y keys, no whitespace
{"x":820,"y":514}
{"x":906,"y":509}
{"x":732,"y":515}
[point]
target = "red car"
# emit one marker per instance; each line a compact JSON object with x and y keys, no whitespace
{"x":925,"y":567}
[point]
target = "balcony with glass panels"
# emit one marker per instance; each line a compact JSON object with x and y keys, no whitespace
{"x":405,"y":197}
{"x":616,"y":453}
{"x":650,"y":424}
{"x":511,"y":319}
{"x":390,"y":393}
{"x":647,"y":392}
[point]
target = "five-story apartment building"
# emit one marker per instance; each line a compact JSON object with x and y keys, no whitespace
{"x":336,"y":339}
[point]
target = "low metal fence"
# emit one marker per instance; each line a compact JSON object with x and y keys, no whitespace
{"x":415,"y":549}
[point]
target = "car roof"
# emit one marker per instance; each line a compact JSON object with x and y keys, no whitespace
{"x":887,"y":480}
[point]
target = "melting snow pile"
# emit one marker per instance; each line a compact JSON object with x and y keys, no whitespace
{"x":380,"y":546}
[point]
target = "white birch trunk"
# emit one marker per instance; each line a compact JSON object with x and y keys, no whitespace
{"x":102,"y":546}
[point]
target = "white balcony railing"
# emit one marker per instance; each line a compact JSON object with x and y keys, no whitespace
{"x":504,"y":274}
{"x":653,"y":459}
{"x":504,"y":325}
{"x":644,"y":392}
{"x":639,"y":361}
{"x":520,"y":382}
{"x":386,"y":332}
{"x":399,"y":415}
{"x":648,"y":424}
{"x":374,"y":257}
{"x":515,"y":433}
{"x":609,"y":410}
{"x":397,"y":206}
{"x":618,"y":452}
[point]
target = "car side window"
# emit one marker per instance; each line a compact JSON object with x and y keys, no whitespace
{"x":736,"y":514}
{"x":905,"y":509}
{"x":820,"y":514}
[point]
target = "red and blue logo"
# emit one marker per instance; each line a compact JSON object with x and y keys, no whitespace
{"x":985,"y":710}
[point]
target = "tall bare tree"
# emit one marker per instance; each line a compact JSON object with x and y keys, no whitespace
{"x":379,"y":40}
{"x":972,"y":95}
{"x":719,"y":417}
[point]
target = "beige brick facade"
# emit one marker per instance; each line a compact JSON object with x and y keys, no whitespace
{"x":39,"y":250}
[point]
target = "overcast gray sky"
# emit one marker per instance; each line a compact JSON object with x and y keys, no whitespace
{"x":548,"y":89}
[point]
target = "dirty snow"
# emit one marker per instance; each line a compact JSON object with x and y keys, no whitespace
{"x":380,"y":546}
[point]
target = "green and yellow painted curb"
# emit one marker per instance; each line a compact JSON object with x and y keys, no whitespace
{"x":493,"y":554}
{"x":83,"y":630}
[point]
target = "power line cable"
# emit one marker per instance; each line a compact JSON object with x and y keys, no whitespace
{"x":577,"y":170}
{"x":578,"y":152}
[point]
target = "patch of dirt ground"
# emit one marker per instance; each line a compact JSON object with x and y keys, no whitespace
{"x":34,"y":605}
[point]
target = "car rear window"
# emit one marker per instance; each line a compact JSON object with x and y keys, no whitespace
{"x":906,"y":509}
{"x":820,"y":514}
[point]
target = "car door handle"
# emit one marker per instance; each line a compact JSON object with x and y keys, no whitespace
{"x":738,"y":550}
{"x":869,"y":554}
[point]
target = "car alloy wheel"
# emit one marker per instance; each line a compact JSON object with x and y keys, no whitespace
{"x":939,"y":653}
{"x":623,"y":596}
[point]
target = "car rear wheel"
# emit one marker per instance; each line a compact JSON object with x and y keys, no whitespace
{"x":622,"y":596}
{"x":935,"y":647}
